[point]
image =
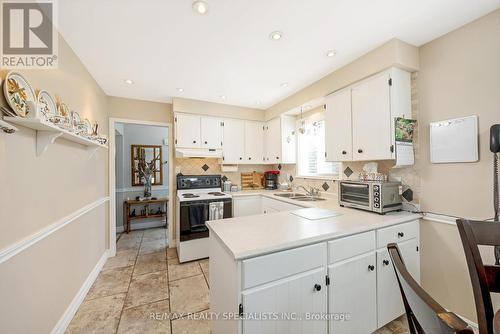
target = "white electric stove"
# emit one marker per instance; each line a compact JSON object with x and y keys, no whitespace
{"x":195,"y":193}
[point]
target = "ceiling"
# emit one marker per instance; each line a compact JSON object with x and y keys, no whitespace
{"x":163,"y":45}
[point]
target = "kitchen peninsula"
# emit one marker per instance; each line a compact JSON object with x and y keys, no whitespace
{"x":286,"y":265}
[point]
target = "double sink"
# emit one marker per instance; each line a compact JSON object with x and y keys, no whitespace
{"x":299,"y":197}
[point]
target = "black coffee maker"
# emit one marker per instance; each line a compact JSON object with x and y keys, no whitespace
{"x":271,"y":179}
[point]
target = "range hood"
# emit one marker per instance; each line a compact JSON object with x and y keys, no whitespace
{"x":198,"y":153}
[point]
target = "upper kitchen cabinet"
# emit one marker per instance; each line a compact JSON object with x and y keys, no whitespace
{"x":211,"y":132}
{"x":254,"y":142}
{"x":338,"y":134}
{"x":234,"y":141}
{"x":187,"y":131}
{"x":362,"y":127}
{"x":280,"y":140}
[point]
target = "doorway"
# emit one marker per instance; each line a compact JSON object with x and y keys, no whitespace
{"x":140,"y":151}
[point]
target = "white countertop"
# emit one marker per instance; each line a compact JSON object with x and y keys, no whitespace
{"x":250,"y":236}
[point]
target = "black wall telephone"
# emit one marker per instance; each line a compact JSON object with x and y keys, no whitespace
{"x":495,"y":149}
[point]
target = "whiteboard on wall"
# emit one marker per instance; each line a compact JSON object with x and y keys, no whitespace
{"x":454,"y":140}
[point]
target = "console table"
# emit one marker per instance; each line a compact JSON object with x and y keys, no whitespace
{"x":127,"y":205}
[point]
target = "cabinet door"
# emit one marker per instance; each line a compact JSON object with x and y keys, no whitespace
{"x":371,"y":119}
{"x":288,"y":140}
{"x":187,"y":131}
{"x":247,"y":206}
{"x":390,"y":303}
{"x":273,"y":141}
{"x":294,"y":295}
{"x":254,"y":142}
{"x":211,"y":132}
{"x":353,"y":291}
{"x":338,"y":126}
{"x":233,"y":141}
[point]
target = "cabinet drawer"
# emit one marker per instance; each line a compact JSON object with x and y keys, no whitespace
{"x":397,"y":233}
{"x":344,"y":248}
{"x":268,"y":268}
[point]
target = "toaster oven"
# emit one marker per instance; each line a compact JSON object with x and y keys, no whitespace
{"x":376,"y":196}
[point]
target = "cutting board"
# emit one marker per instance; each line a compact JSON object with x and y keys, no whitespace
{"x":315,"y":213}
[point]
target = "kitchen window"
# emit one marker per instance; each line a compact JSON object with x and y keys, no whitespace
{"x":311,"y":151}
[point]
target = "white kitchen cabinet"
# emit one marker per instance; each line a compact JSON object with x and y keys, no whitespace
{"x":247,"y":206}
{"x":367,"y":132}
{"x":254,"y":142}
{"x":211,"y":132}
{"x":338,"y":125}
{"x":187,"y":131}
{"x":273,"y":141}
{"x":297,"y":294}
{"x":353,"y":291}
{"x":233,"y":141}
{"x":371,"y":119}
{"x":280,"y":140}
{"x":389,"y":303}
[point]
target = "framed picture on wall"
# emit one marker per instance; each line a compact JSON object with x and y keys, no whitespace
{"x":148,"y":153}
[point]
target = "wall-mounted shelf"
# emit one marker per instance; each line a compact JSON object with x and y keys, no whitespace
{"x":6,"y":127}
{"x":47,"y":133}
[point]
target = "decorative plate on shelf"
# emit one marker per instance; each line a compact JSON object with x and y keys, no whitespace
{"x":64,"y":111}
{"x":88,"y":125}
{"x":46,"y":105}
{"x":18,"y":92}
{"x":75,"y":118}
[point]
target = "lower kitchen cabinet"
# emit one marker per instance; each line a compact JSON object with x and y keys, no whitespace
{"x":295,"y":296}
{"x":353,"y":292}
{"x":247,"y":206}
{"x":390,"y":303}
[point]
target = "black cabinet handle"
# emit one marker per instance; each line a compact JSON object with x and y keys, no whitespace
{"x":249,"y":158}
{"x":344,"y":152}
{"x":317,"y":287}
{"x":206,"y":142}
{"x":194,"y":141}
{"x":241,"y":158}
{"x":360,"y":150}
{"x":401,"y":234}
{"x":371,"y":267}
{"x":385,"y":262}
{"x":277,"y":158}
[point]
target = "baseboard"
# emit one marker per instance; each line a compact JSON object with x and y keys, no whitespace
{"x":70,"y":312}
{"x":139,"y":226}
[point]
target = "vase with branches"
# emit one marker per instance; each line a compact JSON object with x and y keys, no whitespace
{"x":146,"y":171}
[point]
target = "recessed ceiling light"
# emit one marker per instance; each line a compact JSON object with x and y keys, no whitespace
{"x":223,"y":97}
{"x":276,"y":35}
{"x":284,"y":84}
{"x":180,"y":90}
{"x":128,"y":81}
{"x":331,"y":53}
{"x":200,"y":7}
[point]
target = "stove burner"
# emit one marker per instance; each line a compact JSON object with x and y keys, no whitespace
{"x":216,"y":193}
{"x":190,"y":195}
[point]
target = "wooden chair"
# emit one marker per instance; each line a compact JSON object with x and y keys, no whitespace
{"x":485,"y":278}
{"x":425,"y":315}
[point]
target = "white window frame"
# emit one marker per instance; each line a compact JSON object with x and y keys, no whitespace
{"x":319,"y":116}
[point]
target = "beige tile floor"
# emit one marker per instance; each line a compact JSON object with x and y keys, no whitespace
{"x":143,"y":283}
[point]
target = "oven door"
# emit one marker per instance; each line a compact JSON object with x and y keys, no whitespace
{"x":193,"y":215}
{"x":356,"y":195}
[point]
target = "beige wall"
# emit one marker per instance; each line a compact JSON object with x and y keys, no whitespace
{"x":459,"y":76}
{"x":38,"y":284}
{"x":140,"y":110}
{"x":216,"y":109}
{"x":392,"y":53}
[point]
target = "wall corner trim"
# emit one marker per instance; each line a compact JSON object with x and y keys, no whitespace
{"x":439,"y":218}
{"x":16,"y":248}
{"x":70,"y":312}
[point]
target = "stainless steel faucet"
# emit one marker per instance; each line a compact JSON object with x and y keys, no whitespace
{"x":312,"y":191}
